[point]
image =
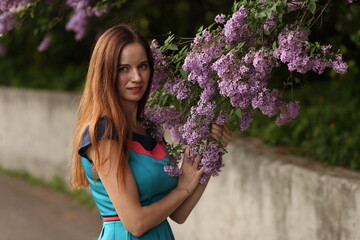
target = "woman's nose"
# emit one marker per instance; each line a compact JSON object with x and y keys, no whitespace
{"x":136,"y":77}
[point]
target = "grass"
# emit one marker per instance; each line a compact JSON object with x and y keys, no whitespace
{"x":81,"y":196}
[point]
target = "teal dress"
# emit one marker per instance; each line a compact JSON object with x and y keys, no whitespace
{"x":147,"y":159}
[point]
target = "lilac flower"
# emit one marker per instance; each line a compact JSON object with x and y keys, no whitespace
{"x":212,"y":159}
{"x":291,"y":44}
{"x":172,"y":168}
{"x":295,"y":5}
{"x":196,"y":128}
{"x":268,"y":102}
{"x":222,"y":118}
{"x":270,"y":22}
{"x":98,"y":12}
{"x":178,"y":88}
{"x":208,"y":92}
{"x":12,"y":6}
{"x":246,"y":119}
{"x":203,"y":50}
{"x":339,"y":65}
{"x":220,"y":18}
{"x":264,"y":62}
{"x":176,"y":135}
{"x":79,"y":21}
{"x":205,"y":108}
{"x":288,"y":112}
{"x":228,"y":74}
{"x":161,"y":67}
{"x":6,"y":22}
{"x":45,"y":43}
{"x":235,"y":29}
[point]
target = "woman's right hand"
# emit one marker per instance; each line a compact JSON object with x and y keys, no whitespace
{"x":189,"y":178}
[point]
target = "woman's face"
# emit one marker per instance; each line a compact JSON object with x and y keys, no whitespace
{"x":134,"y":73}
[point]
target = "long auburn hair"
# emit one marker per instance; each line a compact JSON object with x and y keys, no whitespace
{"x":101,"y":98}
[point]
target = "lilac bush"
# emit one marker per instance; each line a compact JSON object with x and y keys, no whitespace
{"x":223,"y":76}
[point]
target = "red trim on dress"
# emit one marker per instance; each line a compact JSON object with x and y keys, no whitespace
{"x":158,"y":151}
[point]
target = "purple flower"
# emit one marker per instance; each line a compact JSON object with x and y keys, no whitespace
{"x":235,"y":29}
{"x":288,"y":112}
{"x":196,"y":128}
{"x":295,"y":5}
{"x":246,"y":119}
{"x":205,"y":108}
{"x":45,"y":43}
{"x":172,"y":169}
{"x":339,"y":65}
{"x":178,"y":87}
{"x":220,"y":18}
{"x":79,"y":21}
{"x":212,"y":159}
{"x":6,"y":22}
{"x":162,"y":70}
{"x":222,"y":118}
{"x":12,"y":6}
{"x":204,"y":49}
{"x":268,"y":102}
{"x":270,"y":22}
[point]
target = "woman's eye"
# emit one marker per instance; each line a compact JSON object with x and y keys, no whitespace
{"x":143,"y":66}
{"x":123,"y":69}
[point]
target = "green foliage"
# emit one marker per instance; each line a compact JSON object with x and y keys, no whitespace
{"x":63,"y":65}
{"x":327,"y":128}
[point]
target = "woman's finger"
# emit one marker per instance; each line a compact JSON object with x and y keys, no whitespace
{"x":216,"y":128}
{"x":187,"y":150}
{"x":197,"y":160}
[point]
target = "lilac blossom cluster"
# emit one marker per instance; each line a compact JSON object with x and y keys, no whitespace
{"x":8,"y":11}
{"x":228,"y":74}
{"x":292,"y":50}
{"x":161,"y":66}
{"x":80,"y":19}
{"x":236,"y":29}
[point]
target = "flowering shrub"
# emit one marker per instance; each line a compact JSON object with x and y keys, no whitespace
{"x":223,"y":76}
{"x":80,"y":13}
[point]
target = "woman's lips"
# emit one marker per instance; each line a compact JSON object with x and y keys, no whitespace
{"x":134,"y":89}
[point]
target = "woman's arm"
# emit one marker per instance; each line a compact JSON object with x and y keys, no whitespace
{"x":183,"y":211}
{"x":138,"y":219}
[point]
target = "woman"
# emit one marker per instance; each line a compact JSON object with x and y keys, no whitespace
{"x":117,"y":157}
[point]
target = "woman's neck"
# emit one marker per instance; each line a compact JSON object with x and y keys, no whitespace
{"x":131,"y":114}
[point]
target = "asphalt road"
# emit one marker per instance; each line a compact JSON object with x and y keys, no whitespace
{"x":34,"y":212}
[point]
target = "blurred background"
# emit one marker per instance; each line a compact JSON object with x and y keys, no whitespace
{"x":39,"y":57}
{"x":327,"y":128}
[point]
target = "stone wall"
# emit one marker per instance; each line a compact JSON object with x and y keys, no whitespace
{"x":261,"y":194}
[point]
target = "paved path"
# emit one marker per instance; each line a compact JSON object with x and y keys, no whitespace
{"x":33,"y":212}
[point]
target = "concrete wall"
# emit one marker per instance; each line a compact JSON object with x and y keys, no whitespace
{"x":261,"y":194}
{"x":36,"y":128}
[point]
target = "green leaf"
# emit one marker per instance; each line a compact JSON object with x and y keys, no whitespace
{"x":169,"y":40}
{"x":32,"y":14}
{"x":312,"y":7}
{"x":184,"y":74}
{"x":238,"y":113}
{"x":163,"y":99}
{"x":172,"y":47}
{"x":200,"y":31}
{"x":274,"y":45}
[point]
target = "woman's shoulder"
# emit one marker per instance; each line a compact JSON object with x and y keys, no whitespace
{"x":104,"y":128}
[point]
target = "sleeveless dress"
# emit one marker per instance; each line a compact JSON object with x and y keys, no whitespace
{"x":147,"y":159}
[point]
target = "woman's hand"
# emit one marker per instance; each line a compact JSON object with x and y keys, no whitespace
{"x":190,"y":176}
{"x":222,"y":133}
